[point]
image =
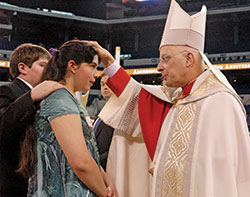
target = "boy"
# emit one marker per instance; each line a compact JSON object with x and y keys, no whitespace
{"x":19,"y":101}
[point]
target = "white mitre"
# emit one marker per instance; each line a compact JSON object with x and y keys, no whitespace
{"x":183,"y":29}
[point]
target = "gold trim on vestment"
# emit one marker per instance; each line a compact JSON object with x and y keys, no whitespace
{"x":211,"y":82}
{"x":173,"y":173}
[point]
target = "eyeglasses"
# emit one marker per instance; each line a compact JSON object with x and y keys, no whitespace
{"x":167,"y":58}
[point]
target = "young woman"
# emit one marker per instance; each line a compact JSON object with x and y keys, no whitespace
{"x":67,"y":156}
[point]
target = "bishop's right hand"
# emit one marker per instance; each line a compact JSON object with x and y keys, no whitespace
{"x":106,"y":58}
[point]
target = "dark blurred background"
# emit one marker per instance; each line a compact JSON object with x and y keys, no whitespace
{"x":135,"y":26}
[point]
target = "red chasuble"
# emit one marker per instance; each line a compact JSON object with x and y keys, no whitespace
{"x":152,"y":110}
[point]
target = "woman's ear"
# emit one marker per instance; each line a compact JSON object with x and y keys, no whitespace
{"x":72,"y":66}
{"x":22,"y":67}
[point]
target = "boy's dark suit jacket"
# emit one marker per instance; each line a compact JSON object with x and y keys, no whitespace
{"x":104,"y":134}
{"x":16,"y":112}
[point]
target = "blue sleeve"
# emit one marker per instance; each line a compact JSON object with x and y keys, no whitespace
{"x":58,"y":103}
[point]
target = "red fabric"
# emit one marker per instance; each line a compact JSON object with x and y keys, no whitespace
{"x":119,"y":81}
{"x":152,"y":112}
{"x":187,"y":89}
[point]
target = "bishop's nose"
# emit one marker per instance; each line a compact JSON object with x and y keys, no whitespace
{"x":160,"y":67}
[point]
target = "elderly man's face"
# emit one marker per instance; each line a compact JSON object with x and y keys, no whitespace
{"x":172,"y":65}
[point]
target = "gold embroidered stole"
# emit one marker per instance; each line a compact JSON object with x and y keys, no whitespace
{"x":173,"y":172}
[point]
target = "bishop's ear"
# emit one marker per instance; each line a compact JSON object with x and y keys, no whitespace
{"x":190,"y":59}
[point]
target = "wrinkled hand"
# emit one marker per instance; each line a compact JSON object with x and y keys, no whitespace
{"x":106,"y":58}
{"x":43,"y":89}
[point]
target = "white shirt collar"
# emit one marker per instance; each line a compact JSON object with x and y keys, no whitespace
{"x":30,"y":86}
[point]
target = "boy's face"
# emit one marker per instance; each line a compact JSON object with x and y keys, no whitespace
{"x":34,"y":73}
{"x":106,"y":92}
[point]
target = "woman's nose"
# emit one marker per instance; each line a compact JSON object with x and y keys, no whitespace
{"x":95,"y":74}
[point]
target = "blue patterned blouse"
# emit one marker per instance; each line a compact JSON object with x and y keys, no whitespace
{"x":54,"y":176}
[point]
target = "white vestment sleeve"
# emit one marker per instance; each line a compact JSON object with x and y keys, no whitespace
{"x":122,"y":112}
{"x":112,"y":69}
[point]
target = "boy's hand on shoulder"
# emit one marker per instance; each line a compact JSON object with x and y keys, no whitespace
{"x":43,"y":89}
